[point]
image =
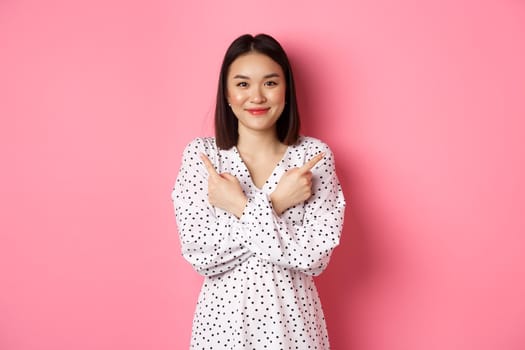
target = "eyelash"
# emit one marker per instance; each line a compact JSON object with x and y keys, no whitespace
{"x":268,"y":83}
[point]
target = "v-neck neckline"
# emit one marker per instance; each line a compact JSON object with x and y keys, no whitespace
{"x":272,"y":174}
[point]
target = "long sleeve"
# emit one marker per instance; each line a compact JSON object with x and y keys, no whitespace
{"x":206,"y":237}
{"x":305,"y":246}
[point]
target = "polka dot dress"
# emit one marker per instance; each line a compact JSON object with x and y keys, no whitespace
{"x":258,"y":291}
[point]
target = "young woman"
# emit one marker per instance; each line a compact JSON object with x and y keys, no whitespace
{"x":259,"y":210}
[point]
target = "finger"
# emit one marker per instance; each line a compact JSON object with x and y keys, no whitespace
{"x":228,"y":176}
{"x":312,"y":162}
{"x":209,"y":165}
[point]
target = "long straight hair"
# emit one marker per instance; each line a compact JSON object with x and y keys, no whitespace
{"x":226,"y":124}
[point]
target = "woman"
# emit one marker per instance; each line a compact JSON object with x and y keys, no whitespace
{"x":259,"y":210}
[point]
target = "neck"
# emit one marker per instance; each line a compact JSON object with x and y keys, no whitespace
{"x":254,"y":142}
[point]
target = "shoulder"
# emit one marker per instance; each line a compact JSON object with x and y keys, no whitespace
{"x":312,"y":145}
{"x":195,"y":147}
{"x":309,"y":147}
{"x":199,"y":145}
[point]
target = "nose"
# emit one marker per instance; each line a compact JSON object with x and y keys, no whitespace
{"x":258,"y":96}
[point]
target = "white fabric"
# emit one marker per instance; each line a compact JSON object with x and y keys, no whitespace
{"x":258,"y":291}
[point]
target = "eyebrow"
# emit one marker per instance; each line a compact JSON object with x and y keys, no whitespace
{"x":271,"y":75}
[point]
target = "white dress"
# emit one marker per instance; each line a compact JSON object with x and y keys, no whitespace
{"x":258,"y":291}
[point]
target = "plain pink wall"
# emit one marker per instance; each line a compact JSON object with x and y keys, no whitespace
{"x":423,"y":104}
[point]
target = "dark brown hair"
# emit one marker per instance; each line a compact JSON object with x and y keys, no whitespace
{"x":226,"y":125}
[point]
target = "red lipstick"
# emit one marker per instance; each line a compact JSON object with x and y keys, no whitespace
{"x":258,"y":111}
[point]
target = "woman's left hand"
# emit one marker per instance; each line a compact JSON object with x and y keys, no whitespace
{"x":224,"y":190}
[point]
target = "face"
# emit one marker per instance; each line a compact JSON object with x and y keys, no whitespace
{"x":256,"y":90}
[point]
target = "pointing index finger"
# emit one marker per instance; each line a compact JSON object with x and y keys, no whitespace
{"x":208,"y":164}
{"x":312,"y":162}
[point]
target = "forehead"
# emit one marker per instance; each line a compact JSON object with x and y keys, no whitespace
{"x":254,"y":64}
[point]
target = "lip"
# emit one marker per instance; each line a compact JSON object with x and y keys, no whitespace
{"x":257,"y":111}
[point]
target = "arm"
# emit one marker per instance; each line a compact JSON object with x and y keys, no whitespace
{"x":207,"y":241}
{"x":306,"y":247}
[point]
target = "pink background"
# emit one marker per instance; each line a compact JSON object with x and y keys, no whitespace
{"x":423,"y":103}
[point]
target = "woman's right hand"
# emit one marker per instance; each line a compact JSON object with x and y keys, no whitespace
{"x":295,"y":186}
{"x":224,"y":190}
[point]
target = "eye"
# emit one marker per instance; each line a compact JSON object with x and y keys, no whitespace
{"x":242,"y":84}
{"x":271,"y":83}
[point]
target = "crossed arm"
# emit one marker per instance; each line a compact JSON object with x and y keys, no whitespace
{"x":294,"y":187}
{"x":214,"y":243}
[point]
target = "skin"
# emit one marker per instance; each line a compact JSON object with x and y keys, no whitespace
{"x":255,"y":82}
{"x":256,"y":89}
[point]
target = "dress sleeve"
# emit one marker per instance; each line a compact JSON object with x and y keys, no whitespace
{"x":206,"y":238}
{"x":306,"y":247}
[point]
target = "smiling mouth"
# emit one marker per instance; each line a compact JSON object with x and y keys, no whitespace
{"x":258,"y":111}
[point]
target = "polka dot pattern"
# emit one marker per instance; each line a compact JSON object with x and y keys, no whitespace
{"x":258,"y":291}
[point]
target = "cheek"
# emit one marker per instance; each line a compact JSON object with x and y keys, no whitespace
{"x":279,"y":96}
{"x":235,"y":97}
